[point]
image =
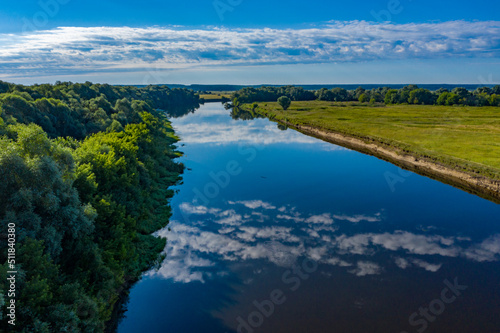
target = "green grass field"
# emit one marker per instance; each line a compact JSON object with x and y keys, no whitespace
{"x":465,"y":138}
{"x":215,"y":95}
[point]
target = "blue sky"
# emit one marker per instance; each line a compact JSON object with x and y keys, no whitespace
{"x":250,"y":42}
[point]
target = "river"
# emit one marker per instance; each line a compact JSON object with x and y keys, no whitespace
{"x":275,"y":231}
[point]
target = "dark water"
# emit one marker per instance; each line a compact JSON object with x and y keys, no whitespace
{"x":274,"y":231}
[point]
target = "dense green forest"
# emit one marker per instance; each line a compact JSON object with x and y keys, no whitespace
{"x":85,"y":172}
{"x":411,"y":94}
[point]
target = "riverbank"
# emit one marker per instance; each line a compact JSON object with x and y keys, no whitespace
{"x":408,"y":133}
{"x":95,"y":170}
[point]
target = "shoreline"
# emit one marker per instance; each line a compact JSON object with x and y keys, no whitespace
{"x":207,"y":101}
{"x":482,"y":186}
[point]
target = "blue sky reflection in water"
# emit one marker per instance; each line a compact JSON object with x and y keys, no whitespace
{"x":381,"y":254}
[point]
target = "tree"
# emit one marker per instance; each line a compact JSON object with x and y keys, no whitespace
{"x":482,"y":90}
{"x":363,"y":98}
{"x":391,"y":97}
{"x":441,"y":90}
{"x":358,"y":92}
{"x":285,"y":102}
{"x":443,"y":97}
{"x":340,"y":94}
{"x":494,"y":100}
{"x":421,"y":96}
{"x":324,"y":95}
{"x":481,"y":99}
{"x":85,"y":206}
{"x":448,"y":98}
{"x":463,"y":94}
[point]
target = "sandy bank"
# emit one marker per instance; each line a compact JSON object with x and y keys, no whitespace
{"x":480,"y":185}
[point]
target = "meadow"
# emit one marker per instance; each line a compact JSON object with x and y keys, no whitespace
{"x":462,"y":137}
{"x":214,"y":96}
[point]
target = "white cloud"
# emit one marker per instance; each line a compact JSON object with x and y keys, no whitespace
{"x":366,"y":268}
{"x":402,"y":263}
{"x":180,"y":271}
{"x":195,"y":251}
{"x":488,"y":250}
{"x":426,"y":265}
{"x":317,"y":253}
{"x":416,"y":244}
{"x":250,"y":234}
{"x":312,"y":233}
{"x":254,"y":204}
{"x":399,"y":240}
{"x":288,"y":217}
{"x":323,"y":219}
{"x":232,"y":219}
{"x":70,"y":50}
{"x":228,"y":217}
{"x":358,"y":218}
{"x":243,"y":132}
{"x":336,"y":262}
{"x":227,"y":230}
{"x":261,"y":216}
{"x":357,"y":244}
{"x":273,"y":251}
{"x":191,"y":209}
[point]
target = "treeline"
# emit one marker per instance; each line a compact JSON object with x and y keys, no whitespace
{"x":411,"y":94}
{"x":85,"y":173}
{"x":77,"y":110}
{"x":271,"y":94}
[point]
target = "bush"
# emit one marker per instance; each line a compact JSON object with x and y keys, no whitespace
{"x":285,"y":102}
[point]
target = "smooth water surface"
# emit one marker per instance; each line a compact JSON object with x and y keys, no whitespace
{"x":274,"y":231}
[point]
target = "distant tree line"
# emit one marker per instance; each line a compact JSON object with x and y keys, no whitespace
{"x":77,"y":110}
{"x":411,"y":94}
{"x":271,"y":94}
{"x":85,"y":172}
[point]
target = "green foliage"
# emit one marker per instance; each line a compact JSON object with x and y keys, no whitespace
{"x":391,"y":97}
{"x":271,"y":94}
{"x":335,"y":94}
{"x":421,"y":96}
{"x":285,"y":102}
{"x":494,"y":100}
{"x":84,"y":205}
{"x":410,"y":94}
{"x":448,"y":98}
{"x":78,"y":110}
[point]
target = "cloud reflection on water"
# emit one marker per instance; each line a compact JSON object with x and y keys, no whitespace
{"x":195,"y":253}
{"x":209,"y":125}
